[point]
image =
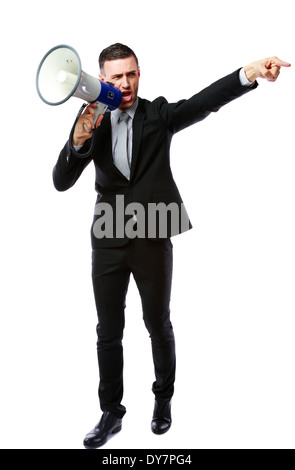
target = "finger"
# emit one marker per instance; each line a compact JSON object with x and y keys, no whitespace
{"x":98,"y":121}
{"x":275,"y":72}
{"x":275,"y":61}
{"x":92,"y":105}
{"x":87,"y":122}
{"x":264,"y":72}
{"x":90,"y":110}
{"x":88,"y":127}
{"x":88,"y":131}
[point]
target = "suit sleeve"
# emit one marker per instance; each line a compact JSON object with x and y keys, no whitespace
{"x":68,"y":169}
{"x":184,"y":113}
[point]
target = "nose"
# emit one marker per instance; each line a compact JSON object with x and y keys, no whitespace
{"x":125,"y":81}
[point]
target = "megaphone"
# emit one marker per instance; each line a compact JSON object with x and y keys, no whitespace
{"x":60,"y":76}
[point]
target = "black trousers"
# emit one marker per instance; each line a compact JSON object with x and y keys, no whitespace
{"x":150,"y":262}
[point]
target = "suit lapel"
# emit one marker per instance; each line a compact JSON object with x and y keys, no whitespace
{"x":137,"y":133}
{"x":104,"y":136}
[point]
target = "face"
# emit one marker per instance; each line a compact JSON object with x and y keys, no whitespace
{"x":123,"y":74}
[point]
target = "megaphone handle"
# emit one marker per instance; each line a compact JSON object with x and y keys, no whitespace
{"x":100,"y":109}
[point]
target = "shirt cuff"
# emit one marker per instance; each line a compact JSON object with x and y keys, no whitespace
{"x":243,"y":78}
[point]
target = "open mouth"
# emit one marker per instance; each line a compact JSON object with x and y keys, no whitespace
{"x":126,"y":96}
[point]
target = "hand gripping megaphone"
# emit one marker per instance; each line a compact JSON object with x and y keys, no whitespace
{"x":60,"y":76}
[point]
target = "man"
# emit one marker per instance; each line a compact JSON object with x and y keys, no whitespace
{"x":130,"y":151}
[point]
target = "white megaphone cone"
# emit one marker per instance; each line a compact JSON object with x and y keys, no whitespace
{"x":60,"y":76}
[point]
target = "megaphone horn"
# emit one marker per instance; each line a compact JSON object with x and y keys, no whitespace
{"x":59,"y":76}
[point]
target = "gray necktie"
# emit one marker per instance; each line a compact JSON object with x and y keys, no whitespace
{"x":121,"y":151}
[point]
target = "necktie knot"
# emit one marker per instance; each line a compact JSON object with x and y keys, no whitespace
{"x":123,"y":117}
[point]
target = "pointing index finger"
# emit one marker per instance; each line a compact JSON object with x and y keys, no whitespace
{"x":280,"y":62}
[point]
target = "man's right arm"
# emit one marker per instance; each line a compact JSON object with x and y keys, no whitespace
{"x":68,"y":169}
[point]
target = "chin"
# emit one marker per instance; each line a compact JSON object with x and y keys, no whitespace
{"x":126,"y":105}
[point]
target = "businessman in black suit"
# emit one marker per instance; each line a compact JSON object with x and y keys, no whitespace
{"x":138,"y":210}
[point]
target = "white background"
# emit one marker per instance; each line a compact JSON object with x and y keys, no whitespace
{"x":233,"y":299}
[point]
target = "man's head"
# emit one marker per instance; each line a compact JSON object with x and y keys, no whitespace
{"x":119,"y":65}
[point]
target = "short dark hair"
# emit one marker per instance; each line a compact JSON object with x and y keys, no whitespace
{"x":115,"y":52}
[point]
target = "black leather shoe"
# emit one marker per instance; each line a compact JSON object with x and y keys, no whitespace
{"x":108,"y":425}
{"x":161,"y":422}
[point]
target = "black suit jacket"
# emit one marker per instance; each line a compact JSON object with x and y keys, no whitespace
{"x":151,"y":181}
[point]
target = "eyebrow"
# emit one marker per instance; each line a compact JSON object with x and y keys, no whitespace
{"x":121,"y":74}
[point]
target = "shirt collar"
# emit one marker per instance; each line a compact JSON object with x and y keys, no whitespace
{"x":130,"y":111}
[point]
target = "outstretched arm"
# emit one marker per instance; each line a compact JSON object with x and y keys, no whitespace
{"x":265,"y":68}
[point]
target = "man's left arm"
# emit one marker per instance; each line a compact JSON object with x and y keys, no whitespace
{"x":187,"y":112}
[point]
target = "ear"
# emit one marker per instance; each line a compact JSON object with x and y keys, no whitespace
{"x":138,"y":71}
{"x":101,"y":78}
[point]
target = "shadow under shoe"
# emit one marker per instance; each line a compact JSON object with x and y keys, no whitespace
{"x":161,"y":421}
{"x":108,"y":425}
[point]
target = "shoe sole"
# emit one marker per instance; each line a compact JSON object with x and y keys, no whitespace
{"x":114,"y":431}
{"x":159,"y":433}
